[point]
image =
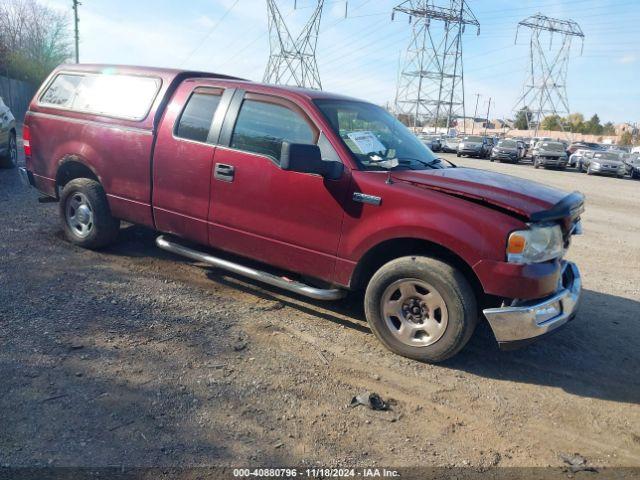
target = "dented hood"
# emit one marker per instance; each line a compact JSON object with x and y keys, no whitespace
{"x":521,"y":197}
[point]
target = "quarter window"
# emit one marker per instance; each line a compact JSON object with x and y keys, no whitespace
{"x":195,"y":122}
{"x":121,"y":96}
{"x":263,"y":127}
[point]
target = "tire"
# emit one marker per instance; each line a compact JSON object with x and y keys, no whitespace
{"x":458,"y":155}
{"x":451,"y":319}
{"x":535,"y":163}
{"x":10,"y":159}
{"x":589,"y":172}
{"x":86,"y":216}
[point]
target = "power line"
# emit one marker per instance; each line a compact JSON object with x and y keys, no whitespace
{"x":213,"y":28}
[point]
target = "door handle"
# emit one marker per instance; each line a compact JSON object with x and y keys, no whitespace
{"x":224,"y":172}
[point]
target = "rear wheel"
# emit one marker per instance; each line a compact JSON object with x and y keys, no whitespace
{"x":10,"y":159}
{"x":86,"y":216}
{"x":421,"y":308}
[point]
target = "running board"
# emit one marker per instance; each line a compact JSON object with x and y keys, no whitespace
{"x":264,"y":277}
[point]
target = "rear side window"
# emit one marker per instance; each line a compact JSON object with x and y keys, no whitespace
{"x":263,"y":127}
{"x":196,"y":119}
{"x":121,"y":96}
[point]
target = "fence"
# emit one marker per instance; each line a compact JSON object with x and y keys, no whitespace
{"x":16,"y":95}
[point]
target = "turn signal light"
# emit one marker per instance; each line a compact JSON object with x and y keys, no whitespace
{"x":517,"y":244}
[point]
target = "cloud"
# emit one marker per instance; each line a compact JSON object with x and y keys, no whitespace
{"x":628,"y":59}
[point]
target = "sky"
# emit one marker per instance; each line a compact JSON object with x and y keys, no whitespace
{"x":359,"y":55}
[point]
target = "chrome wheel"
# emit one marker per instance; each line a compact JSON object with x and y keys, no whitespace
{"x":13,"y":151}
{"x":79,"y":214}
{"x":414,"y":312}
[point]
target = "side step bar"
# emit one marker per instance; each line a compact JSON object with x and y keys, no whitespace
{"x":264,"y":277}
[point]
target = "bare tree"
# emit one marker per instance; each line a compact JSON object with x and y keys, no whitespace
{"x":34,"y":39}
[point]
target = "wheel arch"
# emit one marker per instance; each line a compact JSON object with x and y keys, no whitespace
{"x":390,"y":249}
{"x":70,"y":168}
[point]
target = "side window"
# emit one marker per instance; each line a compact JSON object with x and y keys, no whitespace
{"x":62,"y":91}
{"x":121,"y":96}
{"x":262,"y":127}
{"x":195,"y":121}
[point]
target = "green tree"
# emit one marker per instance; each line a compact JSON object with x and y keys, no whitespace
{"x":593,"y":126}
{"x":574,"y":122}
{"x":551,"y":122}
{"x":523,"y":119}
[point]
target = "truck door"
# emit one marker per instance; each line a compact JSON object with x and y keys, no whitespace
{"x":287,"y":219}
{"x":183,"y":157}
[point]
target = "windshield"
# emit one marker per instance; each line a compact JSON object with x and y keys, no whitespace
{"x":507,"y":144}
{"x":607,"y":156}
{"x":375,"y":138}
{"x":553,"y":146}
{"x":473,"y":139}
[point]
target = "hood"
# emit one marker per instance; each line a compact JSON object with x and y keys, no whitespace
{"x":518,"y":196}
{"x":607,"y":162}
{"x":507,"y":149}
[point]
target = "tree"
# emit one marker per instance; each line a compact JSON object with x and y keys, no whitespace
{"x":609,"y":129}
{"x":574,"y":122}
{"x":523,"y":119}
{"x":551,"y":122}
{"x":626,"y":139}
{"x":34,"y":39}
{"x":593,"y":126}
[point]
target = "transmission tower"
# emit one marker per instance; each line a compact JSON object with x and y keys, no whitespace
{"x":545,"y":89}
{"x":293,"y":61}
{"x":431,"y":81}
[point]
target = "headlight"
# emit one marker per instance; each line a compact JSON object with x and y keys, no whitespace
{"x":461,"y":145}
{"x":536,"y":245}
{"x":595,"y":164}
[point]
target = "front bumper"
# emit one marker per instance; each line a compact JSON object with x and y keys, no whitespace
{"x":530,"y":319}
{"x":604,"y":170}
{"x":553,"y":161}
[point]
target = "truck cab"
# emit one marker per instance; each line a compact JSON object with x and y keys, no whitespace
{"x":331,"y":190}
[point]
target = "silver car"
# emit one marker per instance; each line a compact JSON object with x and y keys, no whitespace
{"x":549,"y":154}
{"x":604,"y":163}
{"x":8,"y":138}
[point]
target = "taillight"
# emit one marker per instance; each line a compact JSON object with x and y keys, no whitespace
{"x":26,"y":140}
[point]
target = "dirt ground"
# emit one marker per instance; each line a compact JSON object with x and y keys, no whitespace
{"x":135,"y":357}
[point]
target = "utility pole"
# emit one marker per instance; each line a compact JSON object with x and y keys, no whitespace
{"x":475,"y":114}
{"x":431,"y":83}
{"x":545,"y":89}
{"x":292,"y":60}
{"x":486,"y":123}
{"x":76,"y":3}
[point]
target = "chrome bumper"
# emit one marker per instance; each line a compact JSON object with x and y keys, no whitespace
{"x":531,"y":319}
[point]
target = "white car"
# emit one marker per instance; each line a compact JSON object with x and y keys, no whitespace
{"x":575,"y":158}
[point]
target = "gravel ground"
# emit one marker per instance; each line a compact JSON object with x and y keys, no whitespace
{"x":134,"y":357}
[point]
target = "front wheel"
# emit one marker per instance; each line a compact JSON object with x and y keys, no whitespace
{"x":86,"y":216}
{"x":458,"y":155}
{"x":421,"y":308}
{"x":10,"y":159}
{"x":535,"y":163}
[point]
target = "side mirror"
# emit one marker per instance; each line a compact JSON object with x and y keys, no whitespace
{"x":303,"y":158}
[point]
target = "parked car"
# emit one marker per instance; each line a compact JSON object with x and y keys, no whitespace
{"x":432,"y":141}
{"x":8,"y":137}
{"x":450,"y":145}
{"x":335,"y":192}
{"x":549,"y":154}
{"x":575,"y":146}
{"x":474,"y":146}
{"x":602,"y":162}
{"x":507,"y":151}
{"x":632,"y":166}
{"x":574,"y":159}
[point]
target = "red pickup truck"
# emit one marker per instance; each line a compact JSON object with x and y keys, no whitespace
{"x":331,"y":192}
